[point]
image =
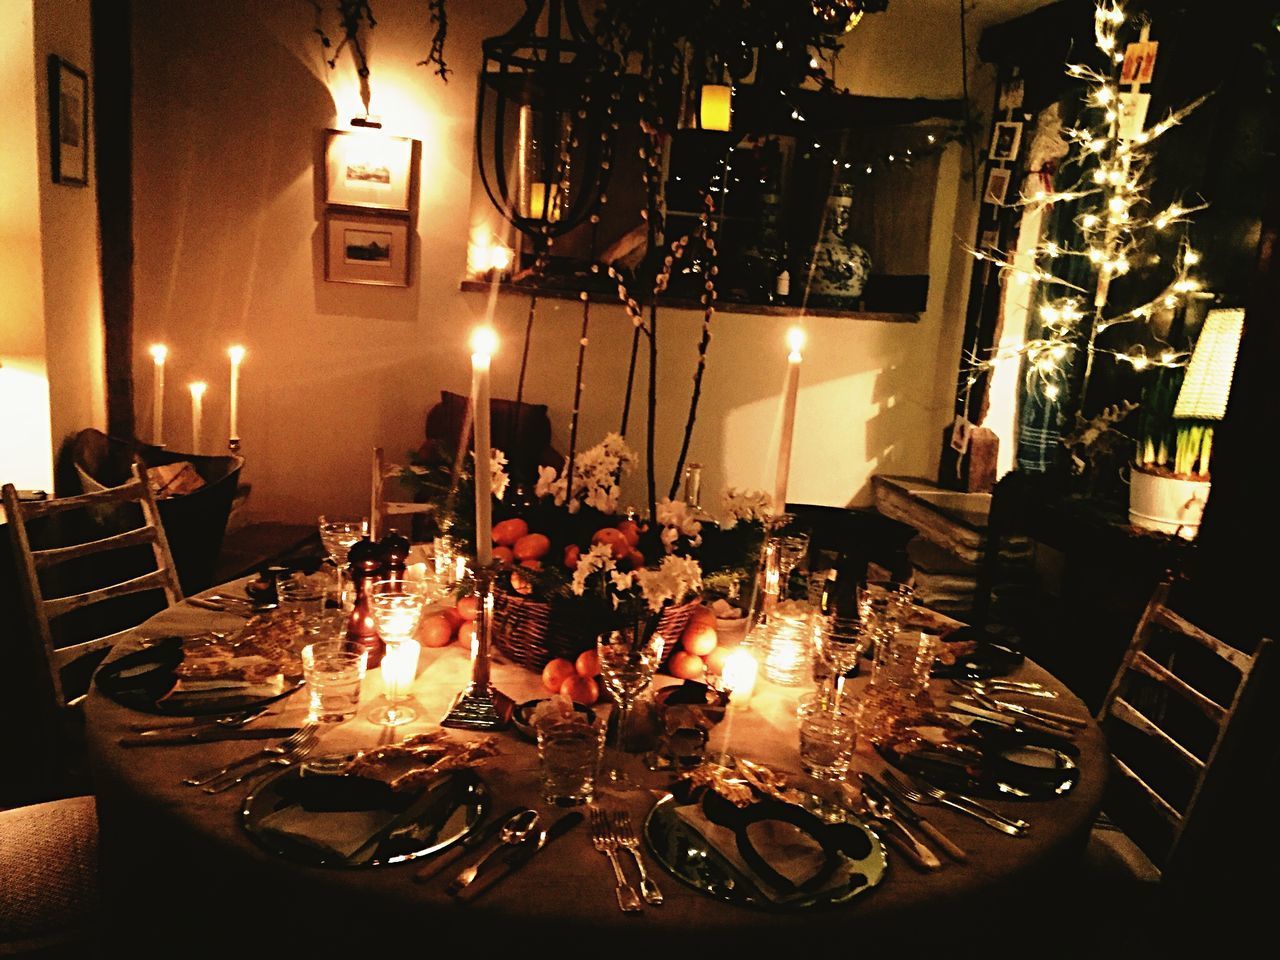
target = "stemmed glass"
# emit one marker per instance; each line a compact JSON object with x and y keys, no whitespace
{"x":628,"y":660}
{"x":792,"y":548}
{"x":396,"y":607}
{"x":841,"y":641}
{"x":339,"y":535}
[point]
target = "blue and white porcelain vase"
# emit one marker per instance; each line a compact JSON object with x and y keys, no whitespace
{"x":841,"y":267}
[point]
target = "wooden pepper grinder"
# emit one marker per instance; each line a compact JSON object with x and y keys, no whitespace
{"x":365,"y":564}
{"x":395,"y":555}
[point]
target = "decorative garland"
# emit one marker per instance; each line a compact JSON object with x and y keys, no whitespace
{"x":357,"y":15}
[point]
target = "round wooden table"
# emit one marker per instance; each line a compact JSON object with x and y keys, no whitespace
{"x":178,"y":868}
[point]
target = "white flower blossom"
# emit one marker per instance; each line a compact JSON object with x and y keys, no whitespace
{"x":500,"y":480}
{"x":746,"y":505}
{"x":674,"y":579}
{"x":596,"y":473}
{"x":622,"y":581}
{"x":598,"y":558}
{"x":677,"y":520}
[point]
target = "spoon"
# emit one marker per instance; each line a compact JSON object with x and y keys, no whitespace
{"x":515,"y":831}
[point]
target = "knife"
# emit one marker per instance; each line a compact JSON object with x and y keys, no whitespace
{"x":1009,"y":722}
{"x":216,"y":735}
{"x":523,"y":854}
{"x":472,"y":840}
{"x":1040,"y":714}
{"x":215,"y":607}
{"x":902,"y":809}
{"x":229,"y":721}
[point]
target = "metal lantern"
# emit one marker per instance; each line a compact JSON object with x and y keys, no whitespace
{"x":544,"y":120}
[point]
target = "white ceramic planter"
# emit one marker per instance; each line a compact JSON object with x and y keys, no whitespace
{"x":1167,"y":504}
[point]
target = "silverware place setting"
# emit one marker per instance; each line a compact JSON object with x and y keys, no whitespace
{"x":912,"y":791}
{"x":605,"y":840}
{"x":228,"y":721}
{"x":305,"y":736}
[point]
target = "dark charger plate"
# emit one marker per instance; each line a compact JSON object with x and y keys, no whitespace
{"x":990,"y":658}
{"x":423,"y":820}
{"x":140,"y":679}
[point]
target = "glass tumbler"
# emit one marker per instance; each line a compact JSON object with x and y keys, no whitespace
{"x":334,"y":674}
{"x":568,"y":757}
{"x":827,"y":737}
{"x":903,"y":660}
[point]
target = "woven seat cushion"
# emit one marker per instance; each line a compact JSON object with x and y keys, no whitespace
{"x":1111,"y":855}
{"x":48,"y":868}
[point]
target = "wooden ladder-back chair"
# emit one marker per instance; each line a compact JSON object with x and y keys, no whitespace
{"x":1147,"y":718}
{"x":382,"y":509}
{"x":41,"y":610}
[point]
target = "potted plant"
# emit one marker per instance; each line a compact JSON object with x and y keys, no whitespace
{"x":1169,"y":485}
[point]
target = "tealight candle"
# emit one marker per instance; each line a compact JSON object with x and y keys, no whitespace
{"x":400,"y":668}
{"x":739,"y":676}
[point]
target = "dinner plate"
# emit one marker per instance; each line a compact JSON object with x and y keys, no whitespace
{"x":688,"y":856}
{"x":990,"y":760}
{"x":139,"y":680}
{"x":989,"y":657}
{"x":347,"y":821}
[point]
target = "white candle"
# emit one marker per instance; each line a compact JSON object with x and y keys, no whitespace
{"x":400,"y":668}
{"x":197,"y":413}
{"x":739,"y":676}
{"x":483,"y":343}
{"x":159,"y":353}
{"x":795,"y":340}
{"x":236,"y":354}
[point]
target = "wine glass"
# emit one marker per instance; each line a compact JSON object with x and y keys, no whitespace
{"x":841,"y":641}
{"x":792,"y":548}
{"x":628,"y":660}
{"x":396,"y":608}
{"x":339,"y":535}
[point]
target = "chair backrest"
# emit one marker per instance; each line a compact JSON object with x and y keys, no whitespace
{"x":41,"y":610}
{"x":382,"y":509}
{"x":1149,"y":718}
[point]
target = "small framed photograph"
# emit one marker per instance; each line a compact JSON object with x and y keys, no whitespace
{"x":997,"y":185}
{"x":1139,"y":62}
{"x":68,"y":122}
{"x":1005,"y":139}
{"x":366,"y":168}
{"x":366,"y":250}
{"x":1132,"y":114}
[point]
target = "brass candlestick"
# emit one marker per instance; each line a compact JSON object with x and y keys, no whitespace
{"x":480,"y":706}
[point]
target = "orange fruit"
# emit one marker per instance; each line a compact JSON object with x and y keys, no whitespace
{"x":435,"y":631}
{"x":631,"y":530}
{"x":615,"y":539}
{"x":503,"y":555}
{"x":453,"y":616}
{"x":698,"y":639}
{"x":467,"y":633}
{"x":509,"y":531}
{"x":532,"y":546}
{"x":635,"y":560}
{"x":469,"y":608}
{"x":703,"y":616}
{"x":716,"y":659}
{"x":587,"y":664}
{"x":555,"y":673}
{"x":572,"y":554}
{"x":531,"y":564}
{"x":581,"y":690}
{"x":686,"y":666}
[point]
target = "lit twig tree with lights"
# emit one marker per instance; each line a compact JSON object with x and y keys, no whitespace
{"x":1117,"y":225}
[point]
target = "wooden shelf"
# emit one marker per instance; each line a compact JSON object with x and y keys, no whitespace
{"x":722,"y":306}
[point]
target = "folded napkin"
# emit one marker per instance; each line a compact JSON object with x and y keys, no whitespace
{"x":787,"y":849}
{"x":333,"y":833}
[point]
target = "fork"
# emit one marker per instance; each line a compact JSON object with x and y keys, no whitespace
{"x":625,"y":834}
{"x":287,"y":760}
{"x":605,"y":842}
{"x":306,"y":732}
{"x":929,"y":796}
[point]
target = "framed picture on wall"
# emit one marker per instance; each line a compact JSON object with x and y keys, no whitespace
{"x":1004,"y":141}
{"x":366,"y":168}
{"x":997,"y":185}
{"x":366,"y":250}
{"x":68,"y":122}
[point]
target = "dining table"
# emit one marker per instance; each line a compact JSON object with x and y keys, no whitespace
{"x":180,"y":870}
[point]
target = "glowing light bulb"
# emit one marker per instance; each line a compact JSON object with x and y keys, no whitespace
{"x":1051,"y":391}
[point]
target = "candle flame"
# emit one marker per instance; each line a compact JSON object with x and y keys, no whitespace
{"x":236,"y":354}
{"x":795,"y":341}
{"x":484,"y":342}
{"x":198,"y":388}
{"x":159,"y":352}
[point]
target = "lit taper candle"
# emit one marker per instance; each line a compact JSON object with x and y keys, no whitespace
{"x":159,"y":353}
{"x":795,"y":340}
{"x":236,"y":354}
{"x":197,"y":413}
{"x":483,"y":344}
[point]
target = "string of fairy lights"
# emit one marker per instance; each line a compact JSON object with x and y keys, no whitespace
{"x":1113,"y":159}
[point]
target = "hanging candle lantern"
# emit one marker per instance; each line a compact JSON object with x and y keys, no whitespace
{"x":544,"y":120}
